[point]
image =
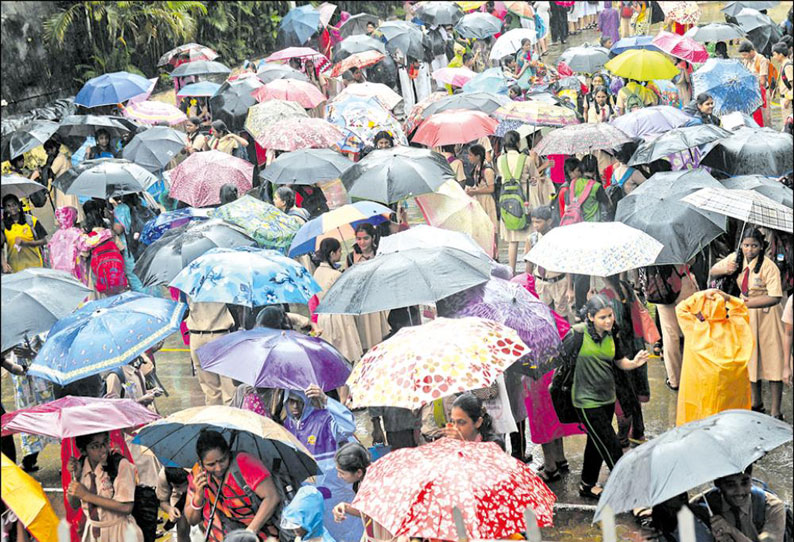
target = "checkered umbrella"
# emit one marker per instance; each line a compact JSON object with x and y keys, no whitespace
{"x":746,"y":205}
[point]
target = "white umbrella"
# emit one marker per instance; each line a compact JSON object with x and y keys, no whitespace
{"x":745,"y":205}
{"x":422,"y":236}
{"x":510,"y":42}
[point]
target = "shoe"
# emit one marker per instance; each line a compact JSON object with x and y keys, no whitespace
{"x":587,"y":492}
{"x":759,"y":408}
{"x":634,"y":442}
{"x":670,"y":386}
{"x":562,"y":466}
{"x":549,"y":477}
{"x":30,"y":468}
{"x":780,"y":417}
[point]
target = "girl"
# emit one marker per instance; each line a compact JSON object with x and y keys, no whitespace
{"x":372,"y":327}
{"x":484,"y":185}
{"x":99,"y":253}
{"x":600,"y":110}
{"x":223,"y":140}
{"x":352,"y":461}
{"x":448,"y":152}
{"x":526,"y":65}
{"x":196,"y":141}
{"x":701,"y":109}
{"x":103,"y":148}
{"x":23,"y":235}
{"x":469,"y":421}
{"x":683,"y":81}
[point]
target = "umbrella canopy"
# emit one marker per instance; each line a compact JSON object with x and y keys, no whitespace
{"x":487,"y":102}
{"x":78,"y":127}
{"x":152,"y":112}
{"x":357,"y":60}
{"x":202,"y":88}
{"x":520,"y":8}
{"x":749,"y":18}
{"x":231,"y":102}
{"x":297,"y":52}
{"x":681,"y":47}
{"x":744,"y":205}
{"x":642,"y":65}
{"x":200,"y":67}
{"x":585,"y":58}
{"x":677,"y":140}
{"x":357,"y":24}
{"x":536,"y":113}
{"x":306,"y":94}
{"x":732,"y":9}
{"x":340,"y":224}
{"x":732,"y":86}
{"x":390,"y":175}
{"x":298,"y":25}
{"x":451,"y":127}
{"x":276,"y":358}
{"x":651,"y":121}
{"x":581,"y":138}
{"x":689,"y":455}
{"x":682,"y":12}
{"x":752,"y":151}
{"x":27,"y":138}
{"x":189,"y":52}
{"x":171,"y":253}
{"x":714,"y":32}
{"x":34,"y":299}
{"x":383,"y":93}
{"x":300,"y":133}
{"x":439,"y":13}
{"x":491,"y":80}
{"x":357,"y":44}
{"x":261,"y":116}
{"x":768,"y":186}
{"x":404,"y":37}
{"x":467,"y":354}
{"x":402,"y":279}
{"x":478,"y":26}
{"x":168,"y":220}
{"x":655,"y":207}
{"x":110,"y":89}
{"x":271,"y":72}
{"x":633,"y":42}
{"x":510,"y":42}
{"x":172,"y":439}
{"x":104,"y":335}
{"x":155,"y":147}
{"x":20,"y":186}
{"x":423,"y":236}
{"x":268,"y":226}
{"x":306,"y":166}
{"x":198,"y":180}
{"x":26,"y":498}
{"x":457,"y":77}
{"x":105,"y":178}
{"x":246,"y":276}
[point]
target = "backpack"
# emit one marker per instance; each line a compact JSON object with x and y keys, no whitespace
{"x":633,"y":100}
{"x":626,"y":10}
{"x":140,"y":216}
{"x":109,"y":269}
{"x":573,"y":205}
{"x":512,"y":200}
{"x":561,"y":387}
{"x":661,"y":284}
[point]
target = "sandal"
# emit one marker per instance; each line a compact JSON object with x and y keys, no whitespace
{"x":562,"y":466}
{"x":586,"y":491}
{"x":759,"y":408}
{"x":670,"y":386}
{"x":657,"y":349}
{"x":549,"y":477}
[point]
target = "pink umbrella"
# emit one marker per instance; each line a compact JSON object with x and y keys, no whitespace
{"x":326,"y":12}
{"x":682,"y":47}
{"x":198,"y":180}
{"x":291,"y":90}
{"x":145,"y":95}
{"x":296,"y":52}
{"x":150,"y":112}
{"x":300,"y":133}
{"x":75,"y":416}
{"x":457,"y":77}
{"x":454,"y":126}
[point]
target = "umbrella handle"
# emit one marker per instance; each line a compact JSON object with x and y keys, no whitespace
{"x":706,"y":501}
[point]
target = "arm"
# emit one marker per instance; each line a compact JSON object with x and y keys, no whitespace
{"x":488,"y":175}
{"x":639,"y":360}
{"x":266,"y":491}
{"x":725,"y":266}
{"x":241,"y":140}
{"x":125,"y":480}
{"x":194,"y":503}
{"x":761,"y":301}
{"x":343,"y":424}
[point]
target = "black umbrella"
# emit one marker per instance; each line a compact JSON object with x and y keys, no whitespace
{"x":155,"y":147}
{"x":271,"y":72}
{"x":655,"y":207}
{"x":439,"y":13}
{"x":391,"y":175}
{"x":18,"y":185}
{"x":478,"y":26}
{"x":200,"y":67}
{"x":306,"y":166}
{"x":357,"y":44}
{"x":357,"y":24}
{"x":27,"y":137}
{"x":75,"y":128}
{"x":487,"y":102}
{"x":764,"y":37}
{"x":677,"y":140}
{"x":732,"y":9}
{"x":230,"y":104}
{"x":166,"y":257}
{"x":105,"y":178}
{"x":384,"y":72}
{"x":714,"y":32}
{"x":752,"y":151}
{"x":404,"y":37}
{"x":768,"y":186}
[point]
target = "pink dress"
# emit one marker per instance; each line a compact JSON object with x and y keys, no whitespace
{"x":62,"y":247}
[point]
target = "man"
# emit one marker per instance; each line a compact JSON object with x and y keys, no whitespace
{"x":207,"y":322}
{"x":758,"y":65}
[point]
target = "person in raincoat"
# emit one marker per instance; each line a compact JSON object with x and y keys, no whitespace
{"x":23,"y":235}
{"x":62,"y":247}
{"x":718,"y":344}
{"x":304,"y":516}
{"x":319,"y":422}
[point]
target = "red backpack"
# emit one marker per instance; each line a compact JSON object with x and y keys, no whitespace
{"x":107,"y":263}
{"x":573,"y":205}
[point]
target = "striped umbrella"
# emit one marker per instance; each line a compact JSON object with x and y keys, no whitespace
{"x":151,"y":112}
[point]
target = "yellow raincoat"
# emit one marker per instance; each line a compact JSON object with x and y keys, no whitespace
{"x":714,"y":375}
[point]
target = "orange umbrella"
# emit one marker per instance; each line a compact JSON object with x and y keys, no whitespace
{"x":26,"y":498}
{"x":454,"y":126}
{"x":291,"y":90}
{"x":357,"y":60}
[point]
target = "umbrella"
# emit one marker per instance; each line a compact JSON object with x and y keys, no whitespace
{"x":168,"y":220}
{"x":457,"y":77}
{"x":677,"y":140}
{"x":510,"y":42}
{"x":745,"y":205}
{"x":230,"y":104}
{"x":764,"y":37}
{"x":585,"y":58}
{"x":732,"y":86}
{"x":491,"y":80}
{"x":419,"y":364}
{"x":357,"y":60}
{"x":425,"y":484}
{"x":300,"y":133}
{"x":357,"y":44}
{"x":768,"y":186}
{"x":383,"y":93}
{"x":520,"y":8}
{"x":306,"y":94}
{"x":752,"y":151}
{"x":581,"y":138}
{"x":404,"y":37}
{"x":651,"y":121}
{"x":297,"y":52}
{"x":246,"y":276}
{"x":271,"y":72}
{"x":732,"y":9}
{"x":340,"y":224}
{"x":510,"y":304}
{"x":414,"y":118}
{"x":172,"y":439}
{"x":26,"y":498}
{"x":276,"y":359}
{"x":451,"y":127}
{"x":78,"y":127}
{"x":111,"y":89}
{"x":155,"y":148}
{"x":655,"y":207}
{"x":714,"y":32}
{"x":189,"y":52}
{"x":417,"y":276}
{"x":104,"y":335}
{"x":298,"y":25}
{"x":357,"y":24}
{"x":423,"y":236}
{"x":198,"y":180}
{"x":27,"y":138}
{"x":642,"y":65}
{"x":536,"y":113}
{"x":690,"y":455}
{"x":105,"y":178}
{"x":681,"y":47}
{"x":390,"y":175}
{"x":633,"y":42}
{"x":200,"y":67}
{"x":20,"y":186}
{"x":152,"y":112}
{"x":168,"y":255}
{"x":202,"y":88}
{"x":306,"y":166}
{"x":682,"y":12}
{"x":470,"y":5}
{"x":487,"y":102}
{"x":478,"y":26}
{"x":34,"y":299}
{"x":266,"y":224}
{"x":439,"y":13}
{"x":360,"y":119}
{"x":262,"y":115}
{"x":598,"y":249}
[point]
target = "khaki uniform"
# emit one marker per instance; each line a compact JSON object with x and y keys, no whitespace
{"x":338,"y":329}
{"x":671,"y":331}
{"x":207,"y":322}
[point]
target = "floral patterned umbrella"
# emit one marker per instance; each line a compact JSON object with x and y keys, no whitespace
{"x":357,"y":60}
{"x":306,"y":94}
{"x":411,"y":492}
{"x":536,"y":113}
{"x":299,"y":133}
{"x":261,"y":116}
{"x":359,"y":119}
{"x":265,"y":223}
{"x":415,"y":117}
{"x":581,"y":138}
{"x":150,"y":112}
{"x":198,"y":180}
{"x":187,"y":53}
{"x":457,"y":77}
{"x":682,"y":12}
{"x":420,"y":364}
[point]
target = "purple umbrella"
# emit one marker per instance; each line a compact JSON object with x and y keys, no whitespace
{"x":510,"y":304}
{"x":651,"y":121}
{"x":274,"y":358}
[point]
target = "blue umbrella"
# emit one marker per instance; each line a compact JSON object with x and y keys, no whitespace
{"x":247,"y":276}
{"x":634,"y":42}
{"x":506,"y":126}
{"x":111,"y":88}
{"x":733,"y":87}
{"x":155,"y":228}
{"x":299,"y":24}
{"x":491,"y":80}
{"x":104,"y":335}
{"x":203,"y":88}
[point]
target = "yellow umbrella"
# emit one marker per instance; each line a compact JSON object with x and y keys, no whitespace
{"x":642,"y":65}
{"x":25,"y":497}
{"x":468,"y":5}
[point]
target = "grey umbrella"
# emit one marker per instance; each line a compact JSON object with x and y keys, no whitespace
{"x":271,"y":72}
{"x":306,"y":166}
{"x":478,"y":25}
{"x":677,"y":140}
{"x":200,"y":67}
{"x":714,"y":32}
{"x":732,"y":9}
{"x":27,"y":137}
{"x":154,"y":148}
{"x":357,"y":24}
{"x":75,"y":128}
{"x":404,"y":37}
{"x":439,"y":13}
{"x":401,"y":279}
{"x":357,"y":44}
{"x":585,"y":58}
{"x":230,"y":104}
{"x":692,"y":454}
{"x":105,"y":178}
{"x":752,"y":151}
{"x":487,"y":102}
{"x":768,"y":186}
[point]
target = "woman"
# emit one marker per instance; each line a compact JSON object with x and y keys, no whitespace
{"x":103,"y":484}
{"x":484,"y":185}
{"x":526,"y":65}
{"x":701,"y":109}
{"x":219,"y":467}
{"x":56,"y":165}
{"x":196,"y":141}
{"x":758,"y":279}
{"x":223,"y":140}
{"x":596,"y":353}
{"x":103,"y":148}
{"x":600,"y":110}
{"x":100,"y":255}
{"x":23,"y":237}
{"x":624,"y":177}
{"x":448,"y":152}
{"x":128,"y":218}
{"x":284,"y":200}
{"x":642,"y":18}
{"x":683,"y":81}
{"x":372,"y":327}
{"x":318,"y":80}
{"x":469,"y":421}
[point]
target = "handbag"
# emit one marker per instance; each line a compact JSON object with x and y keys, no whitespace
{"x":643,"y":324}
{"x":561,"y":387}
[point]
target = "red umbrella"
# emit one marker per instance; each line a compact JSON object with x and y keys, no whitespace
{"x":198,"y":180}
{"x":300,"y":133}
{"x":454,"y":126}
{"x":682,"y":47}
{"x":291,"y":90}
{"x":357,"y":60}
{"x":412,"y":491}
